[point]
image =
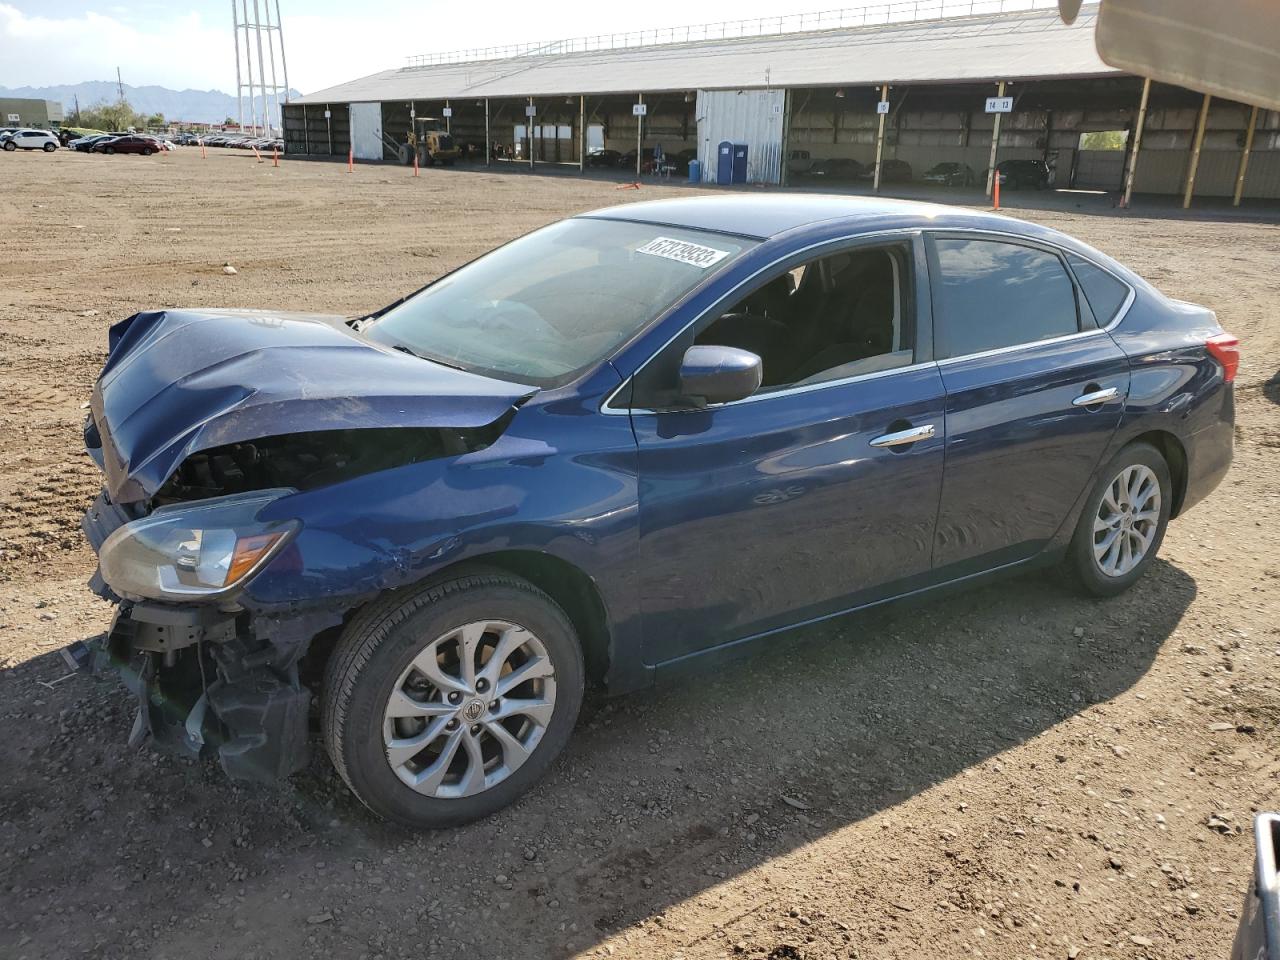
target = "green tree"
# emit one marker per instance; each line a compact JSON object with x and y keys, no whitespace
{"x":1104,"y":140}
{"x":111,"y":116}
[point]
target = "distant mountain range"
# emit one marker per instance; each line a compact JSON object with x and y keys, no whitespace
{"x":195,"y":106}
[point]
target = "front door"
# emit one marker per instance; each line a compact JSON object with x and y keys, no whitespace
{"x":817,"y":493}
{"x":1035,"y":392}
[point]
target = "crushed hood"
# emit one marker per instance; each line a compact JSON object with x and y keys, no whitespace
{"x":179,"y":381}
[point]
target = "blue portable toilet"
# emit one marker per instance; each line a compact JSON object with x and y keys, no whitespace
{"x":724,"y":163}
{"x":739,"y":163}
{"x":695,"y":171}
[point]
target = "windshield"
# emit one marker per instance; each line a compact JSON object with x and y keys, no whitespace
{"x":544,"y":308}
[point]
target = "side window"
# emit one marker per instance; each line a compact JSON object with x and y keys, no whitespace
{"x":837,"y":316}
{"x":991,"y":294}
{"x":1106,"y":294}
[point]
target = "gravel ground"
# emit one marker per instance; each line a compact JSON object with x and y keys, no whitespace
{"x":1012,"y":772}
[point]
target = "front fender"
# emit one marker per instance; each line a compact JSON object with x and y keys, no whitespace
{"x":563,"y":485}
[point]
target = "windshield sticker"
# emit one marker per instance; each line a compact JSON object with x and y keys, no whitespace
{"x":683,"y":251}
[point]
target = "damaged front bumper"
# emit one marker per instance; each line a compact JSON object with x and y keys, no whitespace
{"x":208,"y":680}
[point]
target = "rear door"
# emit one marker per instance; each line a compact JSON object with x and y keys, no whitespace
{"x":1034,"y":392}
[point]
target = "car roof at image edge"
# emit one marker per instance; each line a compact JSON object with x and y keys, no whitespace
{"x":763,"y":217}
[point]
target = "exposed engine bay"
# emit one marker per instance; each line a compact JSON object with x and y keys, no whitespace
{"x":306,"y":461}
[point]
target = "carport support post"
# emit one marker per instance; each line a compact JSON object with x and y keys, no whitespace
{"x":1132,"y":172}
{"x":1195,"y":153}
{"x":582,"y":133}
{"x":884,"y":95}
{"x":306,"y":134}
{"x":1244,"y":157}
{"x":448,"y":121}
{"x":995,"y":143}
{"x":328,"y":123}
{"x":528,"y":129}
{"x":639,"y":137}
{"x":488,"y":149}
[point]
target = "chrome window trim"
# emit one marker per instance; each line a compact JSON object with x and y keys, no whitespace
{"x":899,"y":232}
{"x":786,"y":391}
{"x":871,"y":238}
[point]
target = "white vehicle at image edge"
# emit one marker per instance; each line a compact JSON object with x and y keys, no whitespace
{"x":31,"y":140}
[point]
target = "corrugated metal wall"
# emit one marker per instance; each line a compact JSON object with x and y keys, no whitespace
{"x":753,"y":117}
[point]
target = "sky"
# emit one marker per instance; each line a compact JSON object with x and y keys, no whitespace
{"x":180,"y":45}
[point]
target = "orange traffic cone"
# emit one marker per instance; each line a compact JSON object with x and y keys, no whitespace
{"x":996,"y":190}
{"x":351,"y":158}
{"x":415,"y":163}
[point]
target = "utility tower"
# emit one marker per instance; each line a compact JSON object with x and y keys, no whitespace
{"x":257,"y":41}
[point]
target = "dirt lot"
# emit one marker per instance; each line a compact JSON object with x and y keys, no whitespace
{"x":1010,"y":773}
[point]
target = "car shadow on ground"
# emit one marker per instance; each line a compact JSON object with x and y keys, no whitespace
{"x":660,"y":796}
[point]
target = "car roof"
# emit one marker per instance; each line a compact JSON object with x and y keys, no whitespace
{"x":763,"y":217}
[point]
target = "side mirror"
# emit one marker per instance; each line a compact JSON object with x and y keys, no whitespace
{"x":710,"y":374}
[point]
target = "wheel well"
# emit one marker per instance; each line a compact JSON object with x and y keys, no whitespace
{"x":1175,"y":455}
{"x":569,"y":587}
{"x":564,"y":583}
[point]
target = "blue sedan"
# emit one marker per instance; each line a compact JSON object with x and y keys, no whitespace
{"x":625,"y":445}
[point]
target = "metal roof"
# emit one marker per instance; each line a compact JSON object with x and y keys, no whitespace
{"x":1012,"y":46}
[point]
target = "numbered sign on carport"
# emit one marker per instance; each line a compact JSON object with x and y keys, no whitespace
{"x":999,"y":104}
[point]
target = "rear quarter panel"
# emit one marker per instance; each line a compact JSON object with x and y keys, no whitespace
{"x":1177,"y":387}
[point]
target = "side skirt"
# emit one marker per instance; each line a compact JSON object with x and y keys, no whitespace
{"x":744,"y":647}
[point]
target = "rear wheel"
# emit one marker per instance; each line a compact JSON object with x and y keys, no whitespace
{"x":445,"y":705}
{"x":109,"y":150}
{"x":1123,"y":522}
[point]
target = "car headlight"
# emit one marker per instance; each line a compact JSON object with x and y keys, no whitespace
{"x":194,"y":551}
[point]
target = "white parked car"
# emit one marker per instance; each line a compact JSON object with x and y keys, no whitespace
{"x":31,"y":140}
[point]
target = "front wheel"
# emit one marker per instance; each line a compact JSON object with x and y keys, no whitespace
{"x":445,"y":705}
{"x":1123,"y":522}
{"x":109,"y":150}
{"x":10,"y":146}
{"x":147,"y":151}
{"x":49,"y":147}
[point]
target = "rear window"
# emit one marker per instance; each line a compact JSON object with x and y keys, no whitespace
{"x":1106,"y":294}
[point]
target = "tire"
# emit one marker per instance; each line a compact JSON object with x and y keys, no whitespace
{"x":49,"y":148}
{"x":375,"y":658}
{"x":1082,"y":559}
{"x":111,"y":150}
{"x":10,"y":146}
{"x":147,"y":151}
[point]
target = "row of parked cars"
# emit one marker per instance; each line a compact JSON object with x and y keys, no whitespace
{"x":23,"y":138}
{"x":262,"y":144}
{"x":673,"y":163}
{"x":1011,"y":173}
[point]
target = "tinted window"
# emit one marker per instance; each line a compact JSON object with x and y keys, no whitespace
{"x":992,"y":294}
{"x":1104,"y":292}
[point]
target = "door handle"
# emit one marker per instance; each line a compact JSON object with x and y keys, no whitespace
{"x":1094,"y":397}
{"x":900,"y":438}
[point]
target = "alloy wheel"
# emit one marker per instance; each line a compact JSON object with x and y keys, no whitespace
{"x":1127,"y":520}
{"x":469,"y":709}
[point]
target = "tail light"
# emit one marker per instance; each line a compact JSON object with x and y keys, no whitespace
{"x":1225,"y":348}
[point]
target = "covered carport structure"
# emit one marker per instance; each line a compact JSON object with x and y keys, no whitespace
{"x":916,"y":92}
